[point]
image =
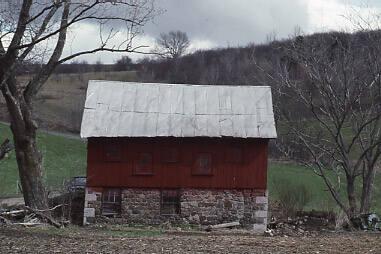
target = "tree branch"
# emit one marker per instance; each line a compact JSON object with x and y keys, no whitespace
{"x":38,"y":80}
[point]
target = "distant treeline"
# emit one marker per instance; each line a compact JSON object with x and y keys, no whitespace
{"x":249,"y":65}
{"x":97,"y":67}
{"x":122,"y":64}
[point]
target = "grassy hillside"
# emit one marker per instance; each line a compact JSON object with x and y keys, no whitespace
{"x":63,"y":158}
{"x":59,"y":105}
{"x":66,"y":157}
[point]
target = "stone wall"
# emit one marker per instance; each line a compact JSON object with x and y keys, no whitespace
{"x":141,"y":206}
{"x":197,"y":206}
{"x":212,"y":206}
{"x":208,"y":207}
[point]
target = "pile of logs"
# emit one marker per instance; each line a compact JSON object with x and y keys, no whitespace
{"x":289,"y":227}
{"x":29,"y":217}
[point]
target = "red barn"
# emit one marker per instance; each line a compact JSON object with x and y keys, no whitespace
{"x":184,"y":153}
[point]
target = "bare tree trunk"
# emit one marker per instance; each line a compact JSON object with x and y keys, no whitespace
{"x":29,"y":159}
{"x":351,"y":196}
{"x":30,"y":171}
{"x":366,"y":195}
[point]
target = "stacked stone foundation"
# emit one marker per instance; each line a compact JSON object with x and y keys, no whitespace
{"x":197,"y":206}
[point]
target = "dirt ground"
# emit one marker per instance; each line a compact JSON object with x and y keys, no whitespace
{"x":86,"y":240}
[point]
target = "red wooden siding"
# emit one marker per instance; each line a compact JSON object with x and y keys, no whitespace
{"x":236,"y":163}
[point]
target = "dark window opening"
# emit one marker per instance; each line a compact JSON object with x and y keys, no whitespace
{"x":111,"y":202}
{"x":202,"y":164}
{"x":112,"y":152}
{"x":234,"y":155}
{"x":170,"y":202}
{"x":143,"y":165}
{"x":170,"y":155}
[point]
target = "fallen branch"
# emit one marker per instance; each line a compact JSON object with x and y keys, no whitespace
{"x":15,"y":212}
{"x":14,"y":215}
{"x":223,"y":225}
{"x":29,"y":224}
{"x":42,"y":215}
{"x":50,"y":209}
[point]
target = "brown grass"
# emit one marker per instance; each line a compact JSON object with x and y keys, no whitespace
{"x":59,"y":105}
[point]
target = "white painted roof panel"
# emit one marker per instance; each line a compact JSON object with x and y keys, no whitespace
{"x":127,"y":109}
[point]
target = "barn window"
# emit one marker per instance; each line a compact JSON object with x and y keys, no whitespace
{"x":143,"y":164}
{"x":170,"y":155}
{"x":202,"y":164}
{"x":111,"y":202}
{"x":112,"y":152}
{"x":170,"y":202}
{"x":234,"y":155}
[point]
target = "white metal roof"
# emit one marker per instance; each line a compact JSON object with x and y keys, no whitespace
{"x":126,"y":109}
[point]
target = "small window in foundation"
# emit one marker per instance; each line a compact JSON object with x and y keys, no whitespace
{"x":111,"y":202}
{"x":170,"y":202}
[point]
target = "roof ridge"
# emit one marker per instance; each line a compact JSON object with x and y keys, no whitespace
{"x":174,"y":84}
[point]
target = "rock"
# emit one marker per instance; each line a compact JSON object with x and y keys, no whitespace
{"x":194,"y":218}
{"x":269,"y":232}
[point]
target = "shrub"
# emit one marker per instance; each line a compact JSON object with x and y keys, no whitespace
{"x":292,"y":197}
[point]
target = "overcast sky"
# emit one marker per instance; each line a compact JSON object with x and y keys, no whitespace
{"x":222,"y":23}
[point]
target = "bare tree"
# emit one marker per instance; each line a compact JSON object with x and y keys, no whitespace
{"x":98,"y":66}
{"x":39,"y":29}
{"x":123,"y":63}
{"x":334,"y":80}
{"x":173,"y":44}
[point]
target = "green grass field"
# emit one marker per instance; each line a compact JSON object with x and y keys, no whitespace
{"x":65,"y":158}
{"x":294,"y":174}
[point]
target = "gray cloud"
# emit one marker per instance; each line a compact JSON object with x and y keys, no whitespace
{"x":230,"y":22}
{"x":221,"y":23}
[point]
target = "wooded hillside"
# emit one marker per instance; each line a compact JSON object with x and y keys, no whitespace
{"x":60,"y":108}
